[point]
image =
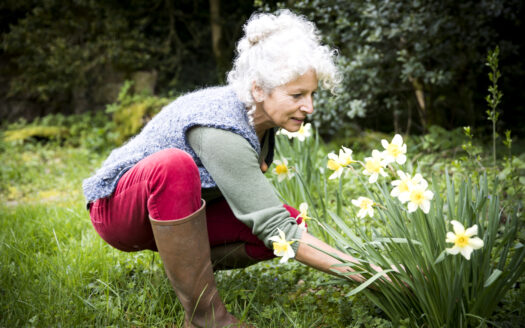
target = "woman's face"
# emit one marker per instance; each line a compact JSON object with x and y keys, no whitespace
{"x":286,"y":106}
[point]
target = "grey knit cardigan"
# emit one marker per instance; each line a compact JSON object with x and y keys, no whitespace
{"x":217,"y":107}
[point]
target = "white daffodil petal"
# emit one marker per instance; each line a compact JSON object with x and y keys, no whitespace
{"x":475,"y":243}
{"x":466,"y":251}
{"x":333,"y":156}
{"x":425,"y":206}
{"x":398,"y":140}
{"x":458,"y":227}
{"x":451,"y":237}
{"x":412,"y":207}
{"x":402,"y":174}
{"x":472,"y":231}
{"x":303,"y":207}
{"x":394,"y":192}
{"x":423,"y":183}
{"x":384,"y":143}
{"x":404,"y":197}
{"x":454,"y":250}
{"x":401,"y":159}
{"x":428,"y":194}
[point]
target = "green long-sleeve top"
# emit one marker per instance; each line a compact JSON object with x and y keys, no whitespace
{"x":235,"y":166}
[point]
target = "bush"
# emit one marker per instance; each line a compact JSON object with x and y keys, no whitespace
{"x":132,"y":111}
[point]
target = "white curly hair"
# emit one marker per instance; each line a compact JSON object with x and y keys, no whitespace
{"x":276,"y":49}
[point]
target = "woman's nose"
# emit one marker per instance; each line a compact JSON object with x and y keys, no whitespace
{"x":308,"y":105}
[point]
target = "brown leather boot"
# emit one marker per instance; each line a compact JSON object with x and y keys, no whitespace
{"x":231,"y":256}
{"x":185,"y":251}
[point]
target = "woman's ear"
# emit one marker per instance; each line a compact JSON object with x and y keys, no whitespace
{"x":257,"y":93}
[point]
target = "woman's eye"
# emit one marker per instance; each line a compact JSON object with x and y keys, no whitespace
{"x":297,"y":95}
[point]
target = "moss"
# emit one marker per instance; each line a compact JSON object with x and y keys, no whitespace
{"x":36,"y":132}
{"x":131,"y":117}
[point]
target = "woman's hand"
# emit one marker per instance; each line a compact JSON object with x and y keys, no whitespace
{"x":317,"y":259}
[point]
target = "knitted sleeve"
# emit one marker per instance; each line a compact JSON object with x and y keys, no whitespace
{"x":234,"y":165}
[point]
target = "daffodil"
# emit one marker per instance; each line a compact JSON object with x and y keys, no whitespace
{"x":304,"y":215}
{"x":394,"y":151}
{"x":374,"y":166}
{"x":420,"y":197}
{"x":463,"y":241}
{"x":287,"y":133}
{"x":365,"y":206}
{"x":282,"y":170}
{"x":304,"y":132}
{"x":338,"y":163}
{"x":403,"y":186}
{"x":282,"y":247}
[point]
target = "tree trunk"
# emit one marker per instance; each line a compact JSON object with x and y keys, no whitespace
{"x":421,"y":105}
{"x":216,"y":35}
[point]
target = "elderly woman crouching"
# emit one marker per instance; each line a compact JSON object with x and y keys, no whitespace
{"x":190,"y":185}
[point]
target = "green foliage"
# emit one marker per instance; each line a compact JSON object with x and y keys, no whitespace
{"x":132,"y":111}
{"x":408,"y":64}
{"x":428,"y":288}
{"x":93,"y":131}
{"x":56,"y":49}
{"x":56,"y":53}
{"x":36,"y":132}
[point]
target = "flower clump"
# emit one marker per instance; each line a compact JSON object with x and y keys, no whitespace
{"x":412,"y":190}
{"x":408,"y":189}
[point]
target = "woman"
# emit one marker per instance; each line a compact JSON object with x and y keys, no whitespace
{"x":192,"y":179}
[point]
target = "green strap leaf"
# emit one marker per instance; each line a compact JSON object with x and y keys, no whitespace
{"x":441,"y":257}
{"x":393,"y":240}
{"x":368,"y":282}
{"x":495,"y":274}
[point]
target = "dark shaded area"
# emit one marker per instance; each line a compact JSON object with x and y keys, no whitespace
{"x":73,"y":56}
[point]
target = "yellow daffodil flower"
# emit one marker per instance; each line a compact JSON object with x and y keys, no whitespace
{"x":282,"y":247}
{"x":282,"y":170}
{"x":374,"y":166}
{"x":420,"y":197}
{"x":304,"y":214}
{"x":338,"y":163}
{"x":287,"y":133}
{"x":304,"y":132}
{"x":394,"y":151}
{"x":463,"y":241}
{"x":365,"y":206}
{"x":403,"y":186}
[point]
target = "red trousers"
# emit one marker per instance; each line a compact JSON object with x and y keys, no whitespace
{"x":167,"y":186}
